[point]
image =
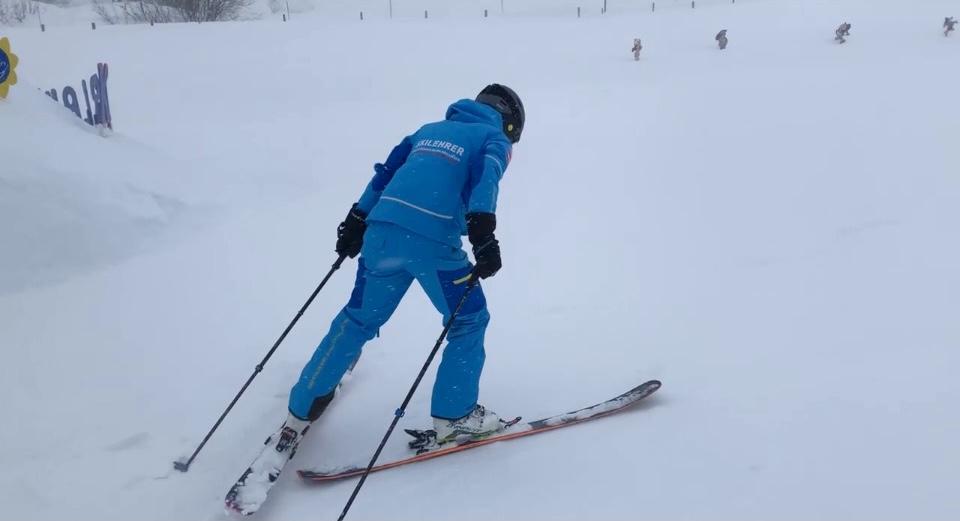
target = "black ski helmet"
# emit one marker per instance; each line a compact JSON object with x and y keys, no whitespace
{"x":508,"y":104}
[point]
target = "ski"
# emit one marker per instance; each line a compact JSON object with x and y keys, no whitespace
{"x":428,"y":450}
{"x":250,"y":491}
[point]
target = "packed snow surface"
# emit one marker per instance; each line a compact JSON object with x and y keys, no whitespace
{"x":771,"y":230}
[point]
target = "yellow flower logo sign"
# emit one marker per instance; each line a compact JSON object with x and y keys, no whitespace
{"x":8,"y":66}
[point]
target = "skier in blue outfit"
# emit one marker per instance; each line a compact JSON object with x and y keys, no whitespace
{"x":438,"y":184}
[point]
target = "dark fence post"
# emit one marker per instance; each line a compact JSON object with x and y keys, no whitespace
{"x":653,"y":7}
{"x":93,"y":26}
{"x":578,"y":12}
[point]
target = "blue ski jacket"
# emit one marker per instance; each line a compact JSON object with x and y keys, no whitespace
{"x":440,"y":173}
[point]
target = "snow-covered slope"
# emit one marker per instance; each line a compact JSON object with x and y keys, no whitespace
{"x":71,"y":200}
{"x":770,"y":230}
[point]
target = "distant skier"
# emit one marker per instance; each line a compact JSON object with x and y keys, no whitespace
{"x":721,"y":39}
{"x":439,"y":183}
{"x":637,"y":47}
{"x":842,"y":32}
{"x":949,"y":23}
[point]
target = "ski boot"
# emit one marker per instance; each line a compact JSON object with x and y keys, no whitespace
{"x":480,"y":423}
{"x":252,"y":487}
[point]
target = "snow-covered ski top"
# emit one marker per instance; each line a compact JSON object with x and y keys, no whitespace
{"x":441,"y":172}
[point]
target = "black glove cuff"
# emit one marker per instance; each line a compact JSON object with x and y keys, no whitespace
{"x":356,"y":213}
{"x":480,"y":228}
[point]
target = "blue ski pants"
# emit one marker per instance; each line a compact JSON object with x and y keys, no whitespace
{"x":391,"y":258}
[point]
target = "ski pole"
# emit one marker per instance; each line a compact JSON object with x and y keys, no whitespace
{"x":471,"y":280}
{"x":184,"y":466}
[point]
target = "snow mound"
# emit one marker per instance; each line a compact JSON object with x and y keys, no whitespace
{"x":70,"y":199}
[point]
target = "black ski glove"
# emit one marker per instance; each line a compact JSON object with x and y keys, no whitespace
{"x":350,"y":232}
{"x":486,"y":249}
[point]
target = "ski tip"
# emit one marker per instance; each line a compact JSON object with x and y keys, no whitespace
{"x":232,"y":509}
{"x":643,"y":390}
{"x":651,"y":386}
